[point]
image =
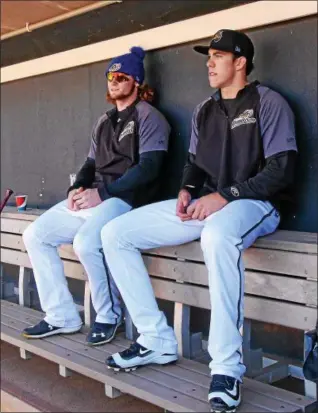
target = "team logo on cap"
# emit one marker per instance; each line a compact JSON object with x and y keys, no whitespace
{"x":244,"y":118}
{"x":217,"y":37}
{"x":115,"y":67}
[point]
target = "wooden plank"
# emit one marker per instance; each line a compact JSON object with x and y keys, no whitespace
{"x":281,"y":288}
{"x":267,"y":260}
{"x":283,"y":262}
{"x":14,"y":226}
{"x":66,"y":251}
{"x":189,"y":370}
{"x":284,"y":240}
{"x":15,"y":241}
{"x":268,"y":311}
{"x":159,"y":378}
{"x":281,"y":240}
{"x":192,"y":295}
{"x":11,"y":241}
{"x":72,"y":269}
{"x":262,"y":284}
{"x":15,"y":257}
{"x":296,"y":241}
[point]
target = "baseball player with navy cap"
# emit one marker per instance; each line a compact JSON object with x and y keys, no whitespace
{"x":240,"y":167}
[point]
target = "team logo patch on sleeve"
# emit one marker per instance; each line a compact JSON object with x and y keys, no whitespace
{"x":244,"y":118}
{"x":129,"y":129}
{"x":234,"y":191}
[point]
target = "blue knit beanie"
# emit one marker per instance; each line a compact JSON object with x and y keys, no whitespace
{"x":131,"y":64}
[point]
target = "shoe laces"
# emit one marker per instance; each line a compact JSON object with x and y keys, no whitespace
{"x":219,"y":382}
{"x":133,"y":349}
{"x":99,"y":327}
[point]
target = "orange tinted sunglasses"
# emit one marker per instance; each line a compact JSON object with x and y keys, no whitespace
{"x":119,"y":77}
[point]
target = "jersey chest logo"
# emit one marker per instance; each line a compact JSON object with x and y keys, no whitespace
{"x":129,"y":129}
{"x":243,"y":119}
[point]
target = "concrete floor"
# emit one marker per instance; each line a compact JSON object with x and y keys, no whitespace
{"x":37,"y":382}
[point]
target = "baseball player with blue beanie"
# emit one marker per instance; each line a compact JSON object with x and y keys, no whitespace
{"x":122,"y":171}
{"x":130,"y":64}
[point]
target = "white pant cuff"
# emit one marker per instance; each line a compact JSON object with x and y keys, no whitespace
{"x":108,"y":320}
{"x":67,"y":324}
{"x":158,"y":344}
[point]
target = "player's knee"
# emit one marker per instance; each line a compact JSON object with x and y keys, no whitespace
{"x":83,"y":246}
{"x":114,"y":236}
{"x":32,"y":235}
{"x":213,"y":238}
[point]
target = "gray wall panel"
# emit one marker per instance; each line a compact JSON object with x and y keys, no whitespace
{"x":46,"y":121}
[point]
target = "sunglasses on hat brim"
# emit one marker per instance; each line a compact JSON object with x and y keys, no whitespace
{"x":119,"y":77}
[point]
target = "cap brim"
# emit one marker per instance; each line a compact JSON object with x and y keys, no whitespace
{"x":202,"y":49}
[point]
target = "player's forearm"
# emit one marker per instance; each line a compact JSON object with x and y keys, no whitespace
{"x":193,"y":177}
{"x":144,"y":172}
{"x":277,"y":175}
{"x":86,"y":175}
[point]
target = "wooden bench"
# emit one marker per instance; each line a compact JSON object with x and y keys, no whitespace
{"x":280,"y":288}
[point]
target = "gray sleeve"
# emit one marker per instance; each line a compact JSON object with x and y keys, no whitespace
{"x":92,"y":149}
{"x":154,"y":130}
{"x":194,"y":128}
{"x":277,"y":123}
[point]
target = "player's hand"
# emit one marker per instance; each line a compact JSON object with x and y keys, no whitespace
{"x":206,"y":205}
{"x":70,"y":201}
{"x":88,"y":198}
{"x":184,"y":199}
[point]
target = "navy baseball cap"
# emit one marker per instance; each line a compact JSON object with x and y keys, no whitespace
{"x":231,"y":41}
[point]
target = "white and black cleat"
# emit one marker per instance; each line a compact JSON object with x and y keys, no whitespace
{"x":224,"y":394}
{"x":136,"y":356}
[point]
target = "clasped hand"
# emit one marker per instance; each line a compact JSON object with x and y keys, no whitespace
{"x":83,"y":199}
{"x":199,"y":209}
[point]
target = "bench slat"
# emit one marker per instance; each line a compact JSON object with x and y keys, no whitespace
{"x":297,"y":241}
{"x":72,"y":269}
{"x":289,"y":315}
{"x":255,"y":308}
{"x":14,"y":226}
{"x":260,"y":284}
{"x":268,"y":260}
